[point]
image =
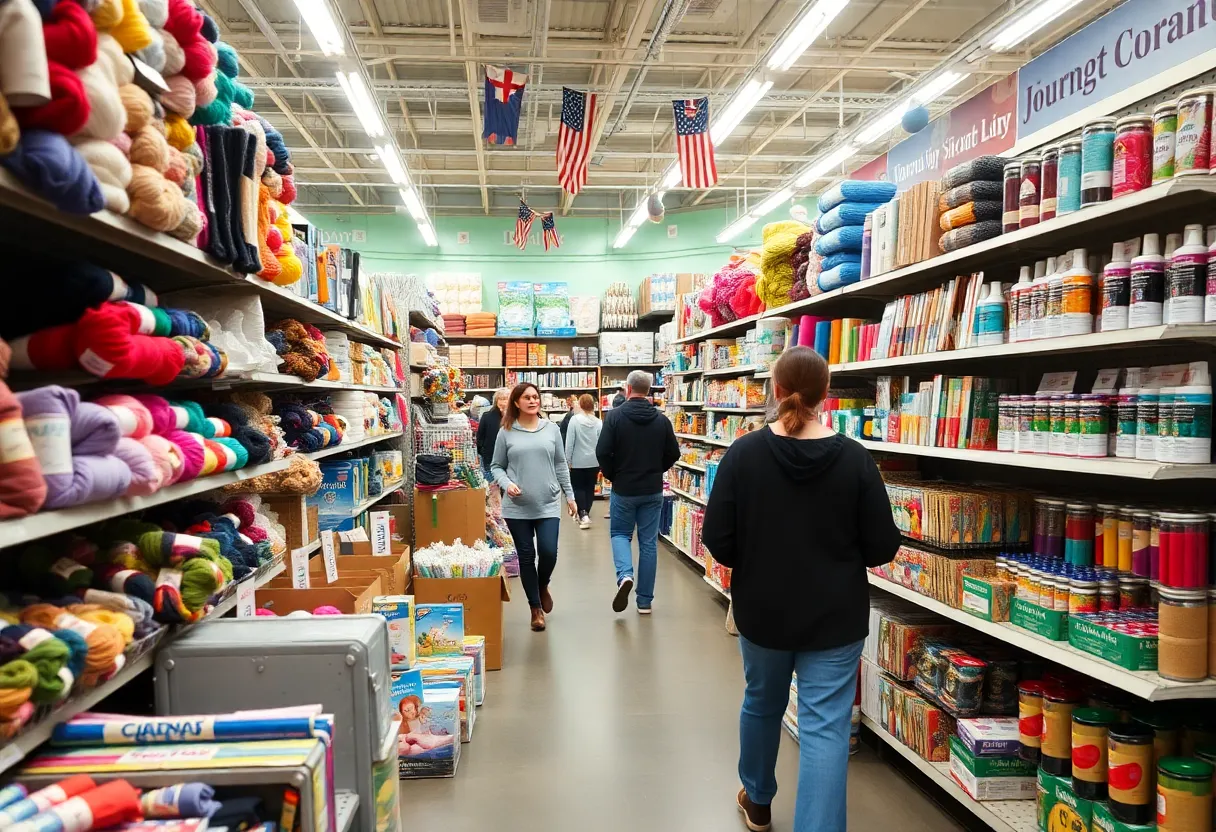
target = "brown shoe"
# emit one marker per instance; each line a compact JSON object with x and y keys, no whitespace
{"x":758,"y":818}
{"x":538,"y":619}
{"x":546,"y":600}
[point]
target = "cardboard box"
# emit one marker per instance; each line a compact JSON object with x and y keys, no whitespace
{"x":991,"y":788}
{"x":990,"y":736}
{"x":297,"y":516}
{"x":394,"y":572}
{"x":991,"y":767}
{"x":1059,"y":807}
{"x":1050,"y":624}
{"x":1133,"y":652}
{"x":398,"y":611}
{"x":351,"y":600}
{"x":987,"y":598}
{"x":1104,"y":821}
{"x":483,"y":599}
{"x":444,"y":516}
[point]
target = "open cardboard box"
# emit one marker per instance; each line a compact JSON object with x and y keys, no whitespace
{"x":483,"y":599}
{"x":351,"y":600}
{"x":299,"y":519}
{"x":444,"y":516}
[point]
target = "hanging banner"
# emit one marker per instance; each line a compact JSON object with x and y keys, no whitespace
{"x":1139,"y":48}
{"x":981,"y":125}
{"x":872,"y":171}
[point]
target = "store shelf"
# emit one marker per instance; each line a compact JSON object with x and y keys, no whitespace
{"x":480,"y":389}
{"x":498,"y":339}
{"x":566,"y":389}
{"x":285,"y":380}
{"x":694,"y":372}
{"x":482,"y":367}
{"x":371,"y":501}
{"x":744,"y":410}
{"x":632,"y":366}
{"x":741,"y":370}
{"x":657,"y":315}
{"x":337,"y":449}
{"x":690,"y":466}
{"x":551,"y":367}
{"x":1168,"y":335}
{"x":687,"y":496}
{"x":696,"y":437}
{"x":687,"y":404}
{"x":725,"y":593}
{"x":1145,"y":684}
{"x":282,"y":302}
{"x":670,"y":542}
{"x":422,"y":320}
{"x":1106,"y":466}
{"x":999,"y":815}
{"x":345,"y":804}
{"x":732,"y":328}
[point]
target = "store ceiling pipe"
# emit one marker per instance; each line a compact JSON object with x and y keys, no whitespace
{"x":673,"y":12}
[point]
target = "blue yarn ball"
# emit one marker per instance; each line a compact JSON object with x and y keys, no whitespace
{"x":226,"y":61}
{"x":915,"y":120}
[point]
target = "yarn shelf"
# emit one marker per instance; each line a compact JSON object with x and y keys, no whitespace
{"x":350,"y":446}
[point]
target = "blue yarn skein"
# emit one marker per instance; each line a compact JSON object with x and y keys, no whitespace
{"x":226,"y":61}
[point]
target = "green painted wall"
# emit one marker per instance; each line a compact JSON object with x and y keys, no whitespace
{"x":585,"y":260}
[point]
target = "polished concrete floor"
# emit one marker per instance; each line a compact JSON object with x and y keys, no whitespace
{"x":624,"y":722}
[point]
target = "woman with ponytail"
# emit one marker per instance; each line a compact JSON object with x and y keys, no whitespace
{"x":799,"y":512}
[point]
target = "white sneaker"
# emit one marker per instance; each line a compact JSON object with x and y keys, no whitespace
{"x":585,"y":523}
{"x":643,"y":610}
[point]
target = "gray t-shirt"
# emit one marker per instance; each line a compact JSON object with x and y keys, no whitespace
{"x":535,"y":461}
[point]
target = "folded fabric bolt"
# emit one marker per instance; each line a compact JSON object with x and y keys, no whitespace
{"x":856,"y":191}
{"x":969,"y":213}
{"x":846,"y":213}
{"x":842,"y":275}
{"x":979,"y":191}
{"x":834,"y":260}
{"x":983,"y":168}
{"x":846,"y":238}
{"x":969,"y":235}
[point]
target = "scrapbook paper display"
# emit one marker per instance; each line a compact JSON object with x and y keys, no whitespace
{"x":515,"y":308}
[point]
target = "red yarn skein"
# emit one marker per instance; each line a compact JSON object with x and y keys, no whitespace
{"x":71,"y":38}
{"x":68,"y":109}
{"x":109,"y":343}
{"x":46,"y":349}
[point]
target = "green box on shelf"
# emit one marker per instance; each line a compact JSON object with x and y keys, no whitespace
{"x":1128,"y":651}
{"x":1060,"y":808}
{"x":1104,"y":821}
{"x":1050,"y":624}
{"x":986,"y":598}
{"x":989,"y":766}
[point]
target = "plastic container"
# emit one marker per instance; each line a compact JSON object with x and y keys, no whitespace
{"x":1053,"y":317}
{"x":1076,"y":299}
{"x":1183,"y":550}
{"x":991,"y":315}
{"x":1133,"y":155}
{"x":1193,"y":141}
{"x":1147,"y":399}
{"x":1068,"y":178}
{"x":1030,"y":720}
{"x":1051,"y":172}
{"x":1093,"y":418}
{"x":1055,"y":439}
{"x":1011,"y":197}
{"x":1142,"y":525}
{"x":1097,"y":161}
{"x":1040,"y":427}
{"x":1116,"y":290}
{"x":1030,"y":191}
{"x":1209,"y":301}
{"x":1016,"y":293}
{"x":1023,"y":442}
{"x":1125,"y":424}
{"x":1187,"y":279}
{"x":1055,"y":747}
{"x":1090,"y":727}
{"x":1079,"y":534}
{"x":1164,"y":449}
{"x":1130,"y":772}
{"x":1148,"y":285}
{"x":1165,"y":125}
{"x":1192,"y":424}
{"x":1184,"y":795}
{"x":1182,"y":641}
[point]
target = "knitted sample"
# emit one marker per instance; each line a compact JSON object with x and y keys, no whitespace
{"x":983,"y":169}
{"x":842,"y":275}
{"x":856,"y":191}
{"x":839,"y":258}
{"x":846,"y":238}
{"x":302,"y":476}
{"x":846,"y":213}
{"x":969,"y":192}
{"x":969,"y":234}
{"x":776,"y":267}
{"x":969,"y":213}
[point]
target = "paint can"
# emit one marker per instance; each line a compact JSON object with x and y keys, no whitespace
{"x":1097,"y":161}
{"x":1068,"y":178}
{"x":1193,"y":141}
{"x":1165,"y":126}
{"x":1133,"y":155}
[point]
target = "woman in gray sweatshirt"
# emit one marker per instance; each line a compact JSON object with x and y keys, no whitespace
{"x":581,"y":438}
{"x":530,"y":466}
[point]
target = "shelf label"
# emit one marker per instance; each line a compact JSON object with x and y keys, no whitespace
{"x":327,"y":554}
{"x":382,"y":538}
{"x":1107,"y":381}
{"x":1058,"y":382}
{"x":299,"y":568}
{"x":246,"y":606}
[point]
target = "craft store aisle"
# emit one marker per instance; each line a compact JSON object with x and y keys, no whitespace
{"x":615,"y":722}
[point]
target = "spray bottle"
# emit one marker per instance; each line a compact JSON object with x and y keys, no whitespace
{"x":1188,"y":279}
{"x":1148,"y":285}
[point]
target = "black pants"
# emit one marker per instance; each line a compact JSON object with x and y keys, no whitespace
{"x":582,"y":480}
{"x":536,"y":544}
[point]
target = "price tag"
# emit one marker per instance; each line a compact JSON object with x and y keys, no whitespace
{"x":1107,"y":381}
{"x":299,"y":568}
{"x":245,"y":603}
{"x":327,"y":553}
{"x":1058,"y":382}
{"x":382,"y":537}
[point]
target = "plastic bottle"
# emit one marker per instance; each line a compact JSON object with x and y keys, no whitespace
{"x":1192,"y":428}
{"x":1165,"y":424}
{"x":1209,"y":302}
{"x":1038,"y":299}
{"x":1055,"y":297}
{"x":1116,"y":290}
{"x":1188,"y":279}
{"x":991,"y":315}
{"x":1076,"y":298}
{"x":1148,"y":285}
{"x":1015,"y":304}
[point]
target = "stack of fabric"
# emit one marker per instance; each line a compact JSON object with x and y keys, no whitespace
{"x":839,"y":226}
{"x":481,"y":324}
{"x":970,"y":202}
{"x":453,"y":324}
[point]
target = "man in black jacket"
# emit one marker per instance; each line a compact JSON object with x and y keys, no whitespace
{"x":637,"y":445}
{"x":487,"y":430}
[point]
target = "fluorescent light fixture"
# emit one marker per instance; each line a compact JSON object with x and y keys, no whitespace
{"x":938,"y":87}
{"x":736,"y":228}
{"x":413,"y":204}
{"x":883,"y":125}
{"x":622,"y":238}
{"x":639,"y":213}
{"x":773,"y":202}
{"x":361,"y":101}
{"x":822,"y":166}
{"x":388,"y":155}
{"x":672,"y":177}
{"x":1027,"y":23}
{"x":428,"y":233}
{"x":295,"y":217}
{"x":319,"y":21}
{"x":803,"y":33}
{"x":739,"y":106}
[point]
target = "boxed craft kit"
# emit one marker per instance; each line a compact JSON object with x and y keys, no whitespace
{"x":398,"y":611}
{"x":439,"y":629}
{"x":428,"y":744}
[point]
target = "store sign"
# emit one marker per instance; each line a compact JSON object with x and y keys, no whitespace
{"x":872,"y":171}
{"x":1140,"y":41}
{"x":981,"y":125}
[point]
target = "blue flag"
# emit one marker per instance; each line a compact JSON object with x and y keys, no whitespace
{"x":504,"y":99}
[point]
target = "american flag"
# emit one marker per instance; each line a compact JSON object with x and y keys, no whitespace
{"x":523,"y":225}
{"x":574,"y":139}
{"x":550,"y":228}
{"x":693,"y":144}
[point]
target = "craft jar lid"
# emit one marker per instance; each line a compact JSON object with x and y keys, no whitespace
{"x":1061,"y":693}
{"x":1185,"y":768}
{"x":1184,"y":597}
{"x":1094,"y":716}
{"x":1104,"y":123}
{"x":1160,"y":720}
{"x":1131,"y":733}
{"x":1165,"y":107}
{"x":1135,"y":118}
{"x":1073,"y":144}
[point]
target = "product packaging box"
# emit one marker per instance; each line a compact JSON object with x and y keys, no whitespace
{"x":439,"y":629}
{"x":393,"y":571}
{"x":483,"y":600}
{"x":1050,"y":624}
{"x":343,"y":486}
{"x":990,"y":736}
{"x":398,"y":611}
{"x":1104,"y":821}
{"x":1059,"y":807}
{"x":429,"y":742}
{"x":457,"y":670}
{"x":515,"y":316}
{"x":991,"y":778}
{"x":401,"y":529}
{"x":350,"y":600}
{"x":987,"y":598}
{"x":443,"y":516}
{"x":299,"y":519}
{"x":1133,"y":652}
{"x":475,"y":649}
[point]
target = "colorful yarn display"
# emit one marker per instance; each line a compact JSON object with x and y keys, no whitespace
{"x":105,"y":642}
{"x":107,"y":805}
{"x":776,"y":278}
{"x":40,"y":801}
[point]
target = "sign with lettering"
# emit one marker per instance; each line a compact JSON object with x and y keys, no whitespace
{"x":246,"y":605}
{"x":329,"y":556}
{"x":382,"y":538}
{"x":299,"y":568}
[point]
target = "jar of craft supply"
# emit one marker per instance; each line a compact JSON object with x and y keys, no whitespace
{"x":1126,"y":404}
{"x":1108,"y":594}
{"x":1165,"y":125}
{"x":1126,"y":529}
{"x":1184,"y":795}
{"x":1097,"y":160}
{"x":1055,"y":746}
{"x":1006,"y":422}
{"x":1072,"y":425}
{"x":1133,"y":592}
{"x":1107,"y":515}
{"x":1182,"y":646}
{"x":1147,"y":399}
{"x":1011,"y":197}
{"x":1089,"y":754}
{"x":1164,"y":447}
{"x":1021,"y":574}
{"x":1038,"y":308}
{"x":1049,"y":589}
{"x":1030,"y":720}
{"x":1183,"y":551}
{"x":1055,"y":441}
{"x":1054,"y":313}
{"x":1093,"y":416}
{"x":1068,"y":178}
{"x":1165,"y":727}
{"x":1130,"y":772}
{"x":1082,"y":596}
{"x":1154,"y":556}
{"x":1193,"y":139}
{"x":1192,"y":424}
{"x":1034,"y":577}
{"x":1212,"y":631}
{"x":1133,"y":154}
{"x":1197,"y":732}
{"x":1024,"y":407}
{"x":1076,"y":300}
{"x":1049,"y":522}
{"x":1063,"y":591}
{"x":1142,"y":524}
{"x":1051,"y":171}
{"x":1029,"y":191}
{"x":1002,"y":567}
{"x":1040,"y":436}
{"x":1116,"y":295}
{"x":1079,"y":534}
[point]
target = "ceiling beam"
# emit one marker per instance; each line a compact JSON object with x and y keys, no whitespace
{"x":471,"y":78}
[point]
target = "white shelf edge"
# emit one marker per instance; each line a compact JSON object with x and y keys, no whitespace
{"x":345,"y":805}
{"x":371,"y":501}
{"x":690,"y":466}
{"x":741,"y":370}
{"x":337,"y":449}
{"x":680,"y":493}
{"x":682,"y":551}
{"x":687,"y":404}
{"x":725,"y":593}
{"x":697,"y":438}
{"x":1145,"y":684}
{"x":753,"y":411}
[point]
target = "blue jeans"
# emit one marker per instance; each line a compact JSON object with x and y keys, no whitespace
{"x":827,"y":686}
{"x":624,"y":514}
{"x":536,"y":544}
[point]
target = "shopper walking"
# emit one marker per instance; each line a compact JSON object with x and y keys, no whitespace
{"x":635,"y":447}
{"x":571,"y":409}
{"x":798,"y":512}
{"x":581,"y":439}
{"x":488,"y":427}
{"x":529,"y":464}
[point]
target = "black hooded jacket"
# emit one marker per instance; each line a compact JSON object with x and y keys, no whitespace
{"x":798,"y":521}
{"x":636,"y":446}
